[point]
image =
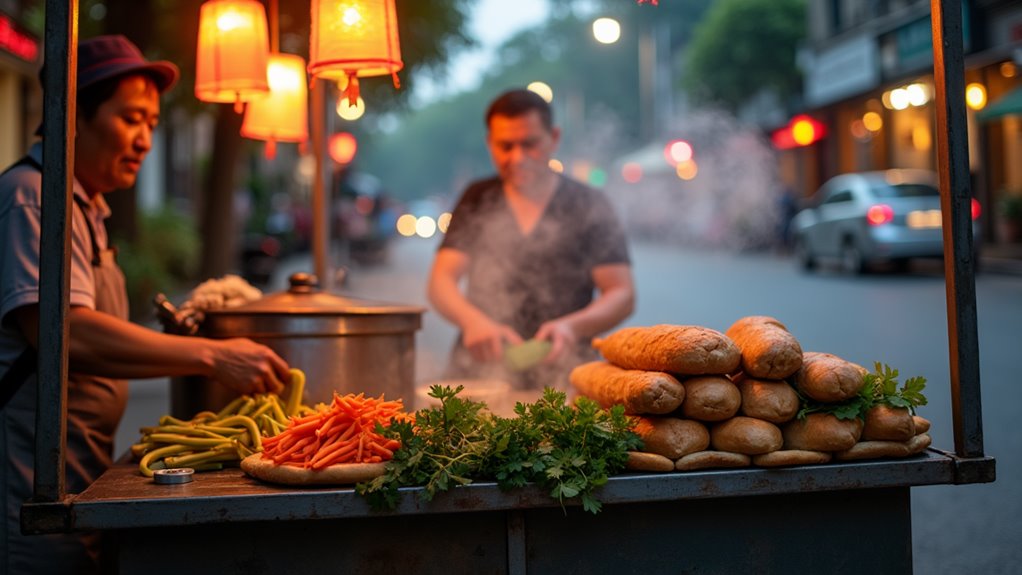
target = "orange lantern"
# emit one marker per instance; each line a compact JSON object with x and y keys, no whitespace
{"x":232,"y":52}
{"x":283,"y":116}
{"x":343,"y":147}
{"x":354,"y":39}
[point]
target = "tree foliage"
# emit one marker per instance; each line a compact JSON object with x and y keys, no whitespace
{"x":743,"y":47}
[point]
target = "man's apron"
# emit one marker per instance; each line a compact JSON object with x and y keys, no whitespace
{"x":94,"y":409}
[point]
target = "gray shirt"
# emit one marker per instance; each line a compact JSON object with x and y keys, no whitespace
{"x":20,"y":231}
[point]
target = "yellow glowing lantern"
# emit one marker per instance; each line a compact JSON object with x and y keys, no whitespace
{"x":976,"y":96}
{"x":343,"y":147}
{"x":803,"y":131}
{"x":282,"y":116}
{"x":232,"y":52}
{"x":354,"y":39}
{"x":872,"y":121}
{"x":348,"y":112}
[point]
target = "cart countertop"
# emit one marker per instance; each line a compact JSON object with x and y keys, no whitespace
{"x":123,"y":499}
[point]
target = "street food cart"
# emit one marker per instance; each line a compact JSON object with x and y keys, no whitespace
{"x":812,"y":518}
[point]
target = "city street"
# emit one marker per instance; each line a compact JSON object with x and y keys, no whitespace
{"x":899,"y":319}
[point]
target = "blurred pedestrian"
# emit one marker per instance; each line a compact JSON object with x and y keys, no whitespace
{"x":534,"y":246}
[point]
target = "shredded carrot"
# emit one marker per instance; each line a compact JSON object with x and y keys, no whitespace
{"x":343,"y":433}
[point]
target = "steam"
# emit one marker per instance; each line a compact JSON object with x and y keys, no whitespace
{"x":733,"y":203}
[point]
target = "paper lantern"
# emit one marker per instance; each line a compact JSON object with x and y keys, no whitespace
{"x":232,"y":52}
{"x":354,"y":39}
{"x":343,"y":147}
{"x":282,"y":116}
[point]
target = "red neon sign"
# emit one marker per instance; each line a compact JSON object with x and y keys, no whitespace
{"x":17,"y":42}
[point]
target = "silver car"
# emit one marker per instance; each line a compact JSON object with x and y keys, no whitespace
{"x":869,"y":217}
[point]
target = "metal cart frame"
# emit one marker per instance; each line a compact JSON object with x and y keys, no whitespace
{"x":715,"y":521}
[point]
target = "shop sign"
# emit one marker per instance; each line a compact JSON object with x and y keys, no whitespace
{"x":843,"y":70}
{"x":16,"y":42}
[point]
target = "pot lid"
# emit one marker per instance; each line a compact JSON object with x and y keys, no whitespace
{"x":305,"y":297}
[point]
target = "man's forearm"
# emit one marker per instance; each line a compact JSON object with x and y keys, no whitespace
{"x":111,"y":347}
{"x":449,"y":302}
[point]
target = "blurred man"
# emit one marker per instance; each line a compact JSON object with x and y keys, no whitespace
{"x":534,"y":246}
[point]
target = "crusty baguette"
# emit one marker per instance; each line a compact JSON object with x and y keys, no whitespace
{"x":773,"y":401}
{"x":786,"y":457}
{"x":886,"y":423}
{"x":828,"y":378}
{"x":638,"y":391}
{"x":769,"y":351}
{"x":710,"y":398}
{"x":711,"y":460}
{"x":681,"y":349}
{"x":341,"y":474}
{"x":821,"y":432}
{"x":670,"y":436}
{"x":918,"y":443}
{"x":873,"y":450}
{"x":746,"y":435}
{"x":922,"y":425}
{"x":641,"y":461}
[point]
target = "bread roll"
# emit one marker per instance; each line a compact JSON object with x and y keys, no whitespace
{"x":769,"y":351}
{"x":886,"y":423}
{"x":784,"y":457}
{"x":710,"y":398}
{"x":639,"y":391}
{"x":640,"y":461}
{"x":922,"y":425}
{"x":681,"y":349}
{"x":670,"y":436}
{"x":773,"y":401}
{"x":828,"y":378}
{"x":821,"y":432}
{"x":873,"y":450}
{"x":918,"y":443}
{"x":711,"y":460}
{"x":746,"y":435}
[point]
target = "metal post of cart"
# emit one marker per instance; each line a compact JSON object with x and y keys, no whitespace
{"x":654,"y":522}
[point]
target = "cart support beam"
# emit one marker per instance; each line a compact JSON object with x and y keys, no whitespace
{"x":956,"y":214}
{"x":59,"y":92}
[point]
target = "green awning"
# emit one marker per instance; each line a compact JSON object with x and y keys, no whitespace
{"x":1008,"y":105}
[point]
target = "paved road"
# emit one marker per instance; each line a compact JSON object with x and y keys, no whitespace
{"x":897,"y":319}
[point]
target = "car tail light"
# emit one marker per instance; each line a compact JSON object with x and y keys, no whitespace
{"x":879,"y":214}
{"x":976,"y":209}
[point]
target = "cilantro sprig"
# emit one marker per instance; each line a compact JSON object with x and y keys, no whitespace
{"x":569,"y":451}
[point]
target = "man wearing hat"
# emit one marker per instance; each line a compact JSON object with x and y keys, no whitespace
{"x":118,"y":109}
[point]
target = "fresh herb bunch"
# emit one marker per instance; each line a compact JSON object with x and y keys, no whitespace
{"x":569,"y":451}
{"x":880,"y":387}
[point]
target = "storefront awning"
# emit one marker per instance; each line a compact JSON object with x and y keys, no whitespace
{"x":1008,"y":105}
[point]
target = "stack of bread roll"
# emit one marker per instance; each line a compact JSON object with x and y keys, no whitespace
{"x":702,"y":399}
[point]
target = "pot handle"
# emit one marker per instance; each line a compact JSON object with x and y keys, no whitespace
{"x":302,"y":282}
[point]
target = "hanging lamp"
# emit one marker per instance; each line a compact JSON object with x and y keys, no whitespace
{"x":282,"y":116}
{"x":232,"y":52}
{"x":354,"y":39}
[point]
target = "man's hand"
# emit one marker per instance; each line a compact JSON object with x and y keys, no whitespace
{"x":561,"y":336}
{"x":485,"y":339}
{"x":248,"y":367}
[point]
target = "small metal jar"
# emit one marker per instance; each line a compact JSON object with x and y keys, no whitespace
{"x":343,"y":345}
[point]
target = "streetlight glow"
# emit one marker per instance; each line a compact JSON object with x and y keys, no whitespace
{"x":606,"y":30}
{"x":543,"y":89}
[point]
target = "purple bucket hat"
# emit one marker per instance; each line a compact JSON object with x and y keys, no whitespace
{"x":104,"y":57}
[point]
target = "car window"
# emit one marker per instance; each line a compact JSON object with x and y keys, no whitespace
{"x":838,"y":197}
{"x":905,"y":191}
